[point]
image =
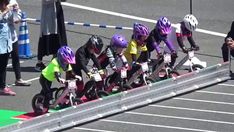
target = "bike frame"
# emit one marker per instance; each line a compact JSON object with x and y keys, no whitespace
{"x":142,"y":71}
{"x":162,"y":63}
{"x":69,"y":89}
{"x":189,"y":57}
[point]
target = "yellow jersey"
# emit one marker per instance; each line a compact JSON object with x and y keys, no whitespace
{"x":133,"y":49}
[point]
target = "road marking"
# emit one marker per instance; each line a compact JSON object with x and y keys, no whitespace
{"x":154,"y":125}
{"x":191,"y":109}
{"x":224,"y":84}
{"x":8,"y":65}
{"x":133,"y":17}
{"x":220,"y":93}
{"x":89,"y":129}
{"x":206,"y":101}
{"x":182,"y":118}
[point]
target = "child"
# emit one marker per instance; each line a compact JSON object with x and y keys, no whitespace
{"x":83,"y":55}
{"x":137,"y":47}
{"x":113,"y":54}
{"x":159,"y":34}
{"x":184,"y":30}
{"x":65,"y":57}
{"x":6,"y":16}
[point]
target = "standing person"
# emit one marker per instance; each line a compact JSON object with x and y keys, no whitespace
{"x":14,"y":54}
{"x":228,"y":42}
{"x":53,"y":32}
{"x":6,"y":15}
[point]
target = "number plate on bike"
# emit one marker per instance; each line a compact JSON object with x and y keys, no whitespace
{"x":97,"y":77}
{"x":123,"y":73}
{"x":191,"y":54}
{"x":144,"y":66}
{"x":167,"y":58}
{"x":72,"y":84}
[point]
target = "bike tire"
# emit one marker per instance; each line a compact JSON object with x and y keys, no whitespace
{"x":39,"y":104}
{"x":149,"y":80}
{"x":91,"y":92}
{"x":174,"y":74}
{"x":102,"y":93}
{"x":196,"y":67}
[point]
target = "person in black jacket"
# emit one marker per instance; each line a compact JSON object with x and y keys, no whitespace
{"x":84,"y":54}
{"x":228,"y":43}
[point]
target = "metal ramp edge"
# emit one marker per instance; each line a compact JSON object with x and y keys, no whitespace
{"x":123,"y":101}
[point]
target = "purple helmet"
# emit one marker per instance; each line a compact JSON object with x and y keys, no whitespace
{"x":163,"y":25}
{"x":65,"y":56}
{"x":119,"y":41}
{"x":140,"y":30}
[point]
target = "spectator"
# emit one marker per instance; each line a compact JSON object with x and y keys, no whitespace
{"x":6,"y":15}
{"x":228,"y":42}
{"x":53,"y":33}
{"x":14,"y":54}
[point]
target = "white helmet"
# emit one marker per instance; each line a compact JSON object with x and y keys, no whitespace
{"x":190,"y":22}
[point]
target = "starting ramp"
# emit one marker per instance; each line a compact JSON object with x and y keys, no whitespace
{"x":124,"y":101}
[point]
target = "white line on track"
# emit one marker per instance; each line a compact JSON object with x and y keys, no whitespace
{"x":8,"y":65}
{"x":224,"y":84}
{"x":89,"y":129}
{"x":133,"y":17}
{"x":219,"y":93}
{"x":182,"y":118}
{"x":191,"y":109}
{"x":154,"y":125}
{"x":204,"y":101}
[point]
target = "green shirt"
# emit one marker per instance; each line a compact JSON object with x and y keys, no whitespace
{"x":53,"y":67}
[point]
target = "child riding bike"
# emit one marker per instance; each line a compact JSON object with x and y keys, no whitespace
{"x":59,"y":64}
{"x":113,"y":55}
{"x":159,"y":34}
{"x":184,"y":30}
{"x":83,"y":55}
{"x":137,"y":50}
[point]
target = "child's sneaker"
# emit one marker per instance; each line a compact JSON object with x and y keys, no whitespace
{"x":7,"y":91}
{"x":39,"y":67}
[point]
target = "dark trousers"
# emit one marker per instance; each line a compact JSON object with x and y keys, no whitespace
{"x":15,"y":61}
{"x":45,"y":84}
{"x":224,"y":49}
{"x":3,"y":64}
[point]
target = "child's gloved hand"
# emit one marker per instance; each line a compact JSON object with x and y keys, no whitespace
{"x":78,"y":77}
{"x":90,"y":75}
{"x":62,"y":81}
{"x":101,"y":72}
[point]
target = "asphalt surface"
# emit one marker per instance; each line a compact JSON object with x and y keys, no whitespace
{"x":208,"y":109}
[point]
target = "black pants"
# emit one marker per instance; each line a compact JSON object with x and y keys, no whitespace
{"x":225,"y":52}
{"x":45,"y":84}
{"x":15,"y":61}
{"x":3,"y":64}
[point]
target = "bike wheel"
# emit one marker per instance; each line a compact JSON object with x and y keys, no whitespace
{"x":149,"y":81}
{"x":39,"y":104}
{"x":126,"y":87}
{"x":59,"y":92}
{"x":196,"y":67}
{"x":173,"y":74}
{"x":102,"y":93}
{"x":138,"y":82}
{"x":107,"y":83}
{"x":91,"y":92}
